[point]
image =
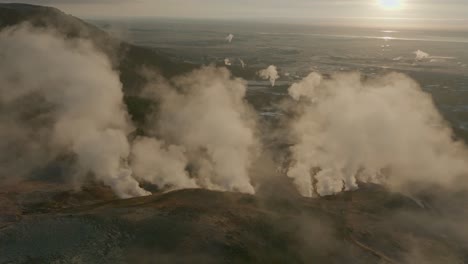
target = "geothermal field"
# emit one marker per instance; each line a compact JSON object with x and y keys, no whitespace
{"x":202,"y":140}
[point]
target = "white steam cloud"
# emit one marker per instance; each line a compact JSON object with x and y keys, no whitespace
{"x":80,"y":98}
{"x":270,"y":73}
{"x":164,"y":166}
{"x":227,"y":62}
{"x":242,"y":63}
{"x":204,"y":117}
{"x":204,"y":135}
{"x":229,"y":38}
{"x":384,"y":130}
{"x":205,"y":131}
{"x":421,"y":55}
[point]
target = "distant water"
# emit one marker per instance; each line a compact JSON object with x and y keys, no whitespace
{"x":299,"y":49}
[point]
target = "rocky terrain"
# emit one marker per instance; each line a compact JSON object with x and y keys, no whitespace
{"x":199,"y":226}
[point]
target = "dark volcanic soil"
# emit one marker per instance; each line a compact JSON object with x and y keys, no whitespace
{"x":200,"y":226}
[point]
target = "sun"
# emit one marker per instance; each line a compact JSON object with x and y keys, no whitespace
{"x":390,"y":4}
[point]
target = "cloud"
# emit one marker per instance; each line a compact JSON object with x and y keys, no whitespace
{"x":270,"y":73}
{"x":384,"y":130}
{"x":345,"y":129}
{"x":243,"y":64}
{"x":205,"y":114}
{"x":205,"y":131}
{"x":164,"y":166}
{"x":73,"y":107}
{"x":229,"y":38}
{"x":421,"y":55}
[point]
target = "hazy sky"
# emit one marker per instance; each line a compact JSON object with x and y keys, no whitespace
{"x":433,"y":12}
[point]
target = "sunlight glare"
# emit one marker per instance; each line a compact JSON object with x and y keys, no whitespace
{"x":390,"y":4}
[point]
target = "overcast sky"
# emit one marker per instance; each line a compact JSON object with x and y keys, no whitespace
{"x":432,"y":12}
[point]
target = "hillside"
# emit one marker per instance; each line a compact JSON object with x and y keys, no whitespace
{"x":198,"y":226}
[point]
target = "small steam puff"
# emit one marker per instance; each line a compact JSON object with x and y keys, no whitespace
{"x":384,"y":130}
{"x":229,"y":38}
{"x":270,"y":73}
{"x":421,"y":55}
{"x":243,"y":64}
{"x":76,"y":107}
{"x":209,"y":128}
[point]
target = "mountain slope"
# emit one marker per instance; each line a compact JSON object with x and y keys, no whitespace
{"x":199,"y":226}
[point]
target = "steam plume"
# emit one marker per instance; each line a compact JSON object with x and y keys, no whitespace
{"x":270,"y":73}
{"x":347,"y":129}
{"x":421,"y":55}
{"x":229,"y":38}
{"x":204,"y":113}
{"x":161,"y":165}
{"x":384,"y":130}
{"x":74,"y":107}
{"x":205,"y":131}
{"x":242,"y":63}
